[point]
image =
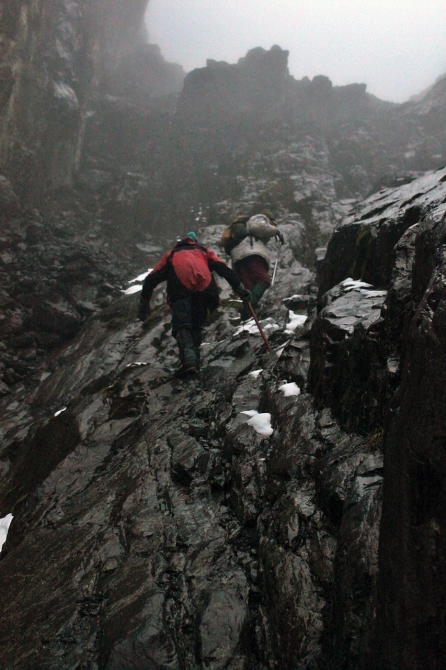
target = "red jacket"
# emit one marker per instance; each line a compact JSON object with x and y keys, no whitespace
{"x":188,"y":268}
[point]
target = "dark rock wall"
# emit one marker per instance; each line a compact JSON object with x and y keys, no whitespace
{"x":42,"y":110}
{"x":412,"y":578}
{"x":55,"y":53}
{"x":409,"y":630}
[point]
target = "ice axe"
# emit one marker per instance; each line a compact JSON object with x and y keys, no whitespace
{"x":265,"y":339}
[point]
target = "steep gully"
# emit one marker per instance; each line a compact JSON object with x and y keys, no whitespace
{"x":153,"y":526}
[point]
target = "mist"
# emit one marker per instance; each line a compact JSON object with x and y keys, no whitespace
{"x":397,"y":48}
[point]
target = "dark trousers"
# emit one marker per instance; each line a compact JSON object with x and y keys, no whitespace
{"x":252,"y":270}
{"x":188,"y":319}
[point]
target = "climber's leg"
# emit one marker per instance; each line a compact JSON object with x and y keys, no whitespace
{"x":200,"y":303}
{"x":188,"y":355}
{"x":257,"y":292}
{"x":253,"y":271}
{"x":182,"y":331}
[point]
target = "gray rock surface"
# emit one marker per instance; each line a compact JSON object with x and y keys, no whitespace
{"x":408,"y":629}
{"x":347,"y":356}
{"x":171,"y":532}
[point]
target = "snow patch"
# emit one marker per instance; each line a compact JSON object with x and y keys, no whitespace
{"x":135,"y":364}
{"x":373,"y":294}
{"x":4,"y":527}
{"x":260,"y":422}
{"x":140,"y":278}
{"x":255,"y":373}
{"x":362,"y":287}
{"x":350,"y":284}
{"x":289,"y":389}
{"x":281,"y":349}
{"x":295,"y":320}
{"x":250,"y":327}
{"x":133,"y":289}
{"x":60,"y":411}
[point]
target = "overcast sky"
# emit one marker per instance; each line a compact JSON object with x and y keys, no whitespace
{"x":396,"y":47}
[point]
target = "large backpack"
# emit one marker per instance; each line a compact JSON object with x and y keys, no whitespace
{"x":261,"y":227}
{"x":234,"y":233}
{"x":258,"y":227}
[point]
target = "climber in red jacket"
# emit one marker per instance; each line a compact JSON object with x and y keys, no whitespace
{"x":191,"y":292}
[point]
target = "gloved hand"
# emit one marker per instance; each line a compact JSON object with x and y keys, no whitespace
{"x":143,"y":310}
{"x":280,"y":237}
{"x":244,"y":294}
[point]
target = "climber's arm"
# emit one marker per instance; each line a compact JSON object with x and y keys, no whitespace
{"x":217,"y":265}
{"x":158,"y":275}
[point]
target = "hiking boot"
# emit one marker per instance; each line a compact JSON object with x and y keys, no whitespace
{"x":184,"y":371}
{"x":188,"y":355}
{"x":189,"y":358}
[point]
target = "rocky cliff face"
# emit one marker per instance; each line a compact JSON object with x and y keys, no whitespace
{"x":395,"y":240}
{"x":156,"y":524}
{"x":58,"y":58}
{"x":279,"y":511}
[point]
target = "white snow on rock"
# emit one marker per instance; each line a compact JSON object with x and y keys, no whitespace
{"x":271,"y":327}
{"x":4,"y":527}
{"x":281,"y":349}
{"x":362,"y":287}
{"x":133,"y":289}
{"x":350,"y":284}
{"x":60,"y":411}
{"x":248,"y":327}
{"x":260,"y":422}
{"x":138,"y":281}
{"x":136,"y":364}
{"x":289,"y":389}
{"x":140,"y":278}
{"x":373,"y":294}
{"x":255,"y":373}
{"x":295,"y":320}
{"x":268,"y":325}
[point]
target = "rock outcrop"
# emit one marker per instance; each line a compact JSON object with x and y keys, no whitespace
{"x":54,"y":274}
{"x":396,"y":239}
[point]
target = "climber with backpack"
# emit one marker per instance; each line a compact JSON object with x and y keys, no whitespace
{"x":245,"y":242}
{"x":191,"y":293}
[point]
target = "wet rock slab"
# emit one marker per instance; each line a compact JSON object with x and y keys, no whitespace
{"x":347,"y":371}
{"x":173,"y":534}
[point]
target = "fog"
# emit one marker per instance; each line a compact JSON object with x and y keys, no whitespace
{"x":396,"y":47}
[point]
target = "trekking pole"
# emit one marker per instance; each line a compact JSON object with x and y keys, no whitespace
{"x":265,"y":339}
{"x":276,"y":264}
{"x":275,"y":270}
